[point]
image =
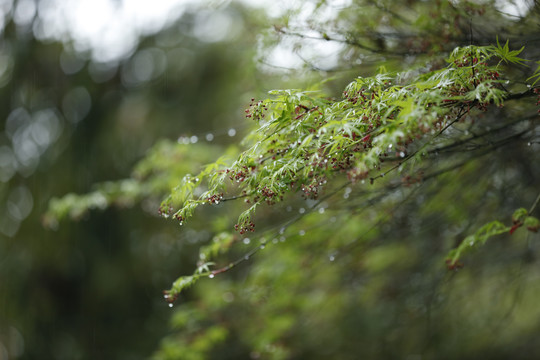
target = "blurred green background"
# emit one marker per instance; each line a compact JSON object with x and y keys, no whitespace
{"x":364,"y":278}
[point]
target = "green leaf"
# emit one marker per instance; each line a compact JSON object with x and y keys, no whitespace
{"x":479,"y":238}
{"x":536,"y":75}
{"x":508,"y":55}
{"x":532,"y":223}
{"x":519,"y":215}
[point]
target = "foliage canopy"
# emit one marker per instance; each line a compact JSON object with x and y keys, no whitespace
{"x":369,"y":199}
{"x":303,"y":140}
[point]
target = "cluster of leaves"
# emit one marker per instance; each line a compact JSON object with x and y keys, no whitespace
{"x":307,"y":138}
{"x":520,"y":218}
{"x":303,"y":140}
{"x":152,"y":178}
{"x":382,"y":124}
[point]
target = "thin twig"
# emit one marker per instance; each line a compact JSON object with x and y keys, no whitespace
{"x":534,"y":204}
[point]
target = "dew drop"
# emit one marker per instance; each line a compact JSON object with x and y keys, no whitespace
{"x":209,"y":137}
{"x":183,"y":140}
{"x":275,"y":241}
{"x":289,"y":208}
{"x":529,"y":143}
{"x":321,"y":210}
{"x":302,"y":210}
{"x":331,"y":258}
{"x":246,"y":241}
{"x":529,"y":86}
{"x":302,"y":233}
{"x":390,"y":146}
{"x":246,"y":257}
{"x":194,"y":139}
{"x":170,"y":305}
{"x":401,"y":154}
{"x":262,"y":246}
{"x":211,"y":276}
{"x":282,"y":230}
{"x":231,"y":132}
